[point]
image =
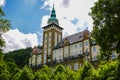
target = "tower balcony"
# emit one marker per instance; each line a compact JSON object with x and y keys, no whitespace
{"x":48,"y":56}
{"x":66,"y":58}
{"x":86,"y":53}
{"x":49,"y":63}
{"x":54,"y":61}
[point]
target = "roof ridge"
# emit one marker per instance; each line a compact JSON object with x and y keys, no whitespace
{"x":74,"y":34}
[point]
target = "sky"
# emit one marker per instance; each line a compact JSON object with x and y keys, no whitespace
{"x":29,"y":16}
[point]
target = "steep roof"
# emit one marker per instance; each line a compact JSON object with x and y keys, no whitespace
{"x":73,"y":38}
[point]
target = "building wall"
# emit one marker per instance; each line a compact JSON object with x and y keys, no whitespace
{"x":39,"y":59}
{"x":87,"y":51}
{"x":95,"y":50}
{"x":76,"y":49}
{"x":33,"y":59}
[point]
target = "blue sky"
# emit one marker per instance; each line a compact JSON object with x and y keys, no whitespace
{"x":25,"y":15}
{"x":29,"y":16}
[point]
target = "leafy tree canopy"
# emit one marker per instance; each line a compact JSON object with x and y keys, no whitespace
{"x":106,"y":19}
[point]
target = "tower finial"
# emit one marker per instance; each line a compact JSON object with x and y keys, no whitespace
{"x":53,"y":18}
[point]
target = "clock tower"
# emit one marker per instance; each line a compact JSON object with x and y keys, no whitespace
{"x":52,"y":35}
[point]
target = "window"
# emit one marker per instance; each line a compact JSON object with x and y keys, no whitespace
{"x":76,"y":46}
{"x":80,"y":44}
{"x":76,"y":66}
{"x":94,"y":58}
{"x":60,"y":57}
{"x":44,"y":49}
{"x":65,"y":55}
{"x":80,"y":51}
{"x":86,"y":50}
{"x":86,"y":43}
{"x":94,"y":49}
{"x":71,"y":54}
{"x":113,"y":56}
{"x":44,"y":58}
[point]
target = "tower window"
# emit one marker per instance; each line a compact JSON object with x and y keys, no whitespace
{"x":94,"y":49}
{"x":80,"y":44}
{"x":76,"y":46}
{"x":86,"y":43}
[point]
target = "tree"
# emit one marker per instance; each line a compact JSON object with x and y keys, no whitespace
{"x":107,"y":70}
{"x":20,"y":57}
{"x":70,"y":74}
{"x":4,"y":26}
{"x":85,"y":72}
{"x":26,"y":74}
{"x":106,"y":19}
{"x":4,"y":73}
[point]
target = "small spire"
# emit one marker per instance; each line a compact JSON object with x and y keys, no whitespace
{"x":53,"y":14}
{"x":53,"y":18}
{"x":53,"y":6}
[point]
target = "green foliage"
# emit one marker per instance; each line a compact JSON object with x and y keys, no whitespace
{"x":4,"y":73}
{"x":20,"y":57}
{"x":11,"y":66}
{"x":86,"y":71}
{"x":26,"y":74}
{"x":106,"y":19}
{"x":107,"y":70}
{"x":70,"y":74}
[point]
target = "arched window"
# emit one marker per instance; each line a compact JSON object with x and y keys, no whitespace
{"x":76,"y":66}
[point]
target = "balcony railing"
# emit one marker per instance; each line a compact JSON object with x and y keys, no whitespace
{"x":66,"y":58}
{"x":86,"y":53}
{"x":80,"y":55}
{"x":49,"y":63}
{"x":76,"y":56}
{"x":54,"y":61}
{"x":48,"y":56}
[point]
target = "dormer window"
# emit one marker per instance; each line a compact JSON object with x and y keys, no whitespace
{"x":66,"y":41}
{"x":80,"y":36}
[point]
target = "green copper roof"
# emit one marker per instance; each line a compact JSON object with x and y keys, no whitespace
{"x":53,"y":18}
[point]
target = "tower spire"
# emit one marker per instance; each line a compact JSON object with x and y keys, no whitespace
{"x":53,"y":18}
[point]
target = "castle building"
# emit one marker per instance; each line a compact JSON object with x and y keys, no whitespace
{"x":69,"y":51}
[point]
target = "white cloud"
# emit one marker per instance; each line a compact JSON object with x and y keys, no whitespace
{"x":68,"y":10}
{"x":2,"y":2}
{"x":15,"y":39}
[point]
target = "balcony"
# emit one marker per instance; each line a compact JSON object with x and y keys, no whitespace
{"x":76,"y":56}
{"x":72,"y":57}
{"x":54,"y":61}
{"x":86,"y":53}
{"x":80,"y":55}
{"x":48,"y":56}
{"x":66,"y":58}
{"x":49,"y":63}
{"x":39,"y":66}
